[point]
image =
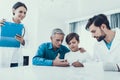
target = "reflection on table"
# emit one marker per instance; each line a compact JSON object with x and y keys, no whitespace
{"x":91,"y":71}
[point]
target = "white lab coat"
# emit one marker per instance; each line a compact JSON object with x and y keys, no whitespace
{"x":77,"y":56}
{"x":11,"y":55}
{"x":109,"y":57}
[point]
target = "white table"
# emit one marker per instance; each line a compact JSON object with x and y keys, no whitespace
{"x":92,"y":71}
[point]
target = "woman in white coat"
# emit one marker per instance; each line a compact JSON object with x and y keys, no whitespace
{"x":107,"y":48}
{"x":12,"y":56}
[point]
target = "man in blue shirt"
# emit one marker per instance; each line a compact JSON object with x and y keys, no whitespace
{"x":52,"y":53}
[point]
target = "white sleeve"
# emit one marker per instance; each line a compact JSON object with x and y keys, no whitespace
{"x":95,"y":54}
{"x":68,"y":58}
{"x":88,"y":57}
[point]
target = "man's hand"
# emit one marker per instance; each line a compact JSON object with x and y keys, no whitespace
{"x":77,"y":64}
{"x":59,"y":62}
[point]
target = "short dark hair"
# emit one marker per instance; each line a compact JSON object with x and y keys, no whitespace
{"x":19,"y":4}
{"x":70,"y":36}
{"x":98,"y":20}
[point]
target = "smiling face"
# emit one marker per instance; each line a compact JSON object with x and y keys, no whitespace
{"x":97,"y":32}
{"x":19,"y":14}
{"x":57,"y":40}
{"x":73,"y":44}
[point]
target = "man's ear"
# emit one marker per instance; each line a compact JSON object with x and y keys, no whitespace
{"x":103,"y":26}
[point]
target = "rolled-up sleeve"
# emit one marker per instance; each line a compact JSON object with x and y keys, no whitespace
{"x":39,"y":58}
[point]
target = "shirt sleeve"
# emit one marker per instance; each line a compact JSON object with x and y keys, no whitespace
{"x":39,"y":59}
{"x":95,"y":54}
{"x":66,"y":56}
{"x":70,"y":58}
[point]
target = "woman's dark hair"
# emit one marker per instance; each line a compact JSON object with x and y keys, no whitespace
{"x":19,"y":4}
{"x":98,"y":20}
{"x":70,"y":36}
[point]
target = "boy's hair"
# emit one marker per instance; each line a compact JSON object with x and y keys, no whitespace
{"x":70,"y":36}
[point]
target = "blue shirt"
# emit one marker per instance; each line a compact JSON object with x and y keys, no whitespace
{"x":45,"y":54}
{"x":108,"y":44}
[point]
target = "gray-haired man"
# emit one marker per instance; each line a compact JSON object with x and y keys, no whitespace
{"x":51,"y":53}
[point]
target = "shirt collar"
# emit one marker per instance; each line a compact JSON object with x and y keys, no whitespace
{"x":51,"y":47}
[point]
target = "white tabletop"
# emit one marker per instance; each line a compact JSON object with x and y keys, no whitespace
{"x":92,"y":71}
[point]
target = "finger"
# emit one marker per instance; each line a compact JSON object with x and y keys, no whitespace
{"x":62,"y":60}
{"x":3,"y":20}
{"x":58,"y":55}
{"x":65,"y":60}
{"x":1,"y":24}
{"x":18,"y":36}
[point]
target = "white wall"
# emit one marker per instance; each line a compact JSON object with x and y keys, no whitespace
{"x":58,"y":13}
{"x":88,"y":8}
{"x":53,"y":14}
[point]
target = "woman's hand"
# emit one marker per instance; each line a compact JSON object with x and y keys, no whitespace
{"x":2,"y":22}
{"x":20,"y":39}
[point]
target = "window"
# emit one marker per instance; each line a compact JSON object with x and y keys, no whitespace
{"x":86,"y":40}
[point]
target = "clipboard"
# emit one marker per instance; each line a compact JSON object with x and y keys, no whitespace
{"x":8,"y":33}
